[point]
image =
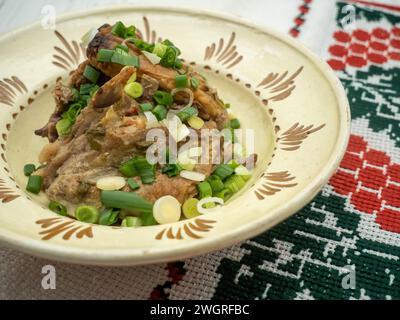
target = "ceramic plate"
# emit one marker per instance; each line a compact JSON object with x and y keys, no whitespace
{"x":292,"y":100}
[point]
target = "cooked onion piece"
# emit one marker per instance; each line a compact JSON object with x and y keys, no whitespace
{"x":110,"y":183}
{"x":167,"y":210}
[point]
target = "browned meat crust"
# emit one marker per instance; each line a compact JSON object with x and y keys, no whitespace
{"x":207,"y":100}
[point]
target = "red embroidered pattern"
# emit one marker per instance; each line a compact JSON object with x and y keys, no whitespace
{"x":360,"y":48}
{"x":371,"y":182}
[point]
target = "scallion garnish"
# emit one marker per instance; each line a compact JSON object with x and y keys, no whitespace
{"x":133,"y":184}
{"x":204,"y":189}
{"x":187,"y":113}
{"x":171,"y":170}
{"x":163,"y":98}
{"x":144,"y":107}
{"x":63,"y":127}
{"x":160,"y":112}
{"x":122,"y":49}
{"x":131,"y":222}
{"x":105,"y":55}
{"x":134,"y":90}
{"x":224,"y":194}
{"x":234,"y":183}
{"x":128,"y":169}
{"x":195,"y":83}
{"x":125,"y":60}
{"x":178,"y":64}
{"x":216,"y":183}
{"x":160,"y":49}
{"x":169,"y":58}
{"x":119,"y":29}
{"x":91,"y":74}
{"x":235,"y":124}
{"x":88,"y":214}
{"x":34,"y":184}
{"x":126,"y":200}
{"x":223,"y":171}
{"x":58,"y":208}
{"x":109,"y":216}
{"x":29,"y":169}
{"x":146,"y":170}
{"x":181,"y":81}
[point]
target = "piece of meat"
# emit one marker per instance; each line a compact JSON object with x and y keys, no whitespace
{"x":113,"y":90}
{"x":150,"y":86}
{"x":77,"y":77}
{"x":63,"y":95}
{"x":104,"y":39}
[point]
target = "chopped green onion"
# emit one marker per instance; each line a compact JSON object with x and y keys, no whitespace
{"x":130,"y":32}
{"x":171,"y":170}
{"x":160,"y":112}
{"x":125,"y":60}
{"x":195,"y":122}
{"x":169,"y":58}
{"x":146,"y":170}
{"x":133,"y":77}
{"x":205,"y":190}
{"x":128,"y":169}
{"x":29,"y":169}
{"x":134,"y":90}
{"x":235,"y":183}
{"x":146,"y":107}
{"x":119,"y":29}
{"x":227,"y":105}
{"x":122,"y":49}
{"x":235,"y":124}
{"x":63,"y":127}
{"x":87,"y":89}
{"x":223,"y":171}
{"x":216,"y":183}
{"x":126,"y":200}
{"x":88,"y":214}
{"x":148,"y":219}
{"x":233,"y":164}
{"x":91,"y":74}
{"x":169,"y":44}
{"x":58,"y":208}
{"x":178,"y":64}
{"x":187,"y":113}
{"x":163,"y":98}
{"x":131,"y":222}
{"x":181,"y":81}
{"x":133,"y":184}
{"x":140,"y":44}
{"x":189,"y":208}
{"x":160,"y":49}
{"x":109,"y":216}
{"x":105,"y":55}
{"x":224,"y":194}
{"x":195,"y":83}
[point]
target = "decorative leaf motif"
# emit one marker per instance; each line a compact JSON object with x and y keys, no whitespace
{"x":70,"y":55}
{"x":280,"y":86}
{"x":9,"y":88}
{"x":190,"y":229}
{"x":67,"y":227}
{"x":227,"y":54}
{"x":292,"y":139}
{"x":6,"y":193}
{"x":150,"y":35}
{"x":275,"y":182}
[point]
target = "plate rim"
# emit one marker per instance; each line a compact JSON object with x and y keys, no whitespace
{"x":130,"y":257}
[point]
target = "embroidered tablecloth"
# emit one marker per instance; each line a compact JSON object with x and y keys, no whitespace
{"x":344,"y":245}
